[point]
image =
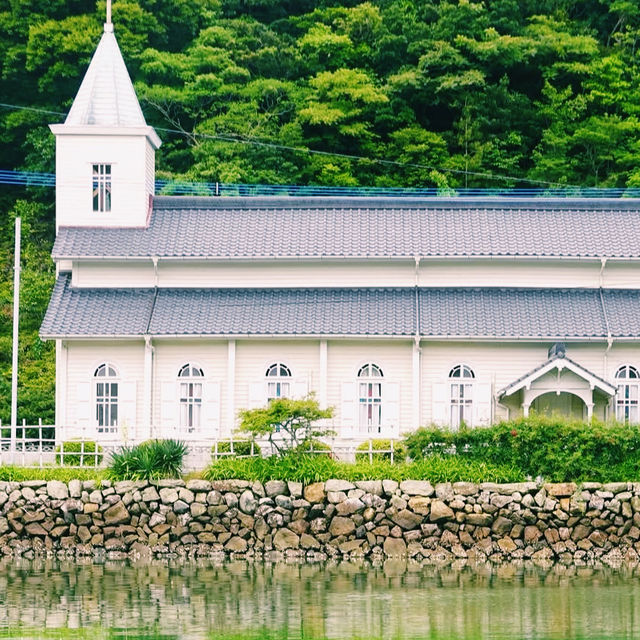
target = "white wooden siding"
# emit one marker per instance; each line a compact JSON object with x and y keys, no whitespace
{"x":126,"y":154}
{"x":621,"y":275}
{"x":113,"y":274}
{"x":495,"y":365}
{"x":509,"y":273}
{"x":344,"y":359}
{"x":170,"y":357}
{"x":450,"y":273}
{"x":150,"y":168}
{"x":82,"y":360}
{"x":285,"y":274}
{"x":253,"y":357}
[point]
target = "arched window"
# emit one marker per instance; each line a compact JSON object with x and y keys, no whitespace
{"x":628,"y":380}
{"x":278,"y":381}
{"x":370,"y":398}
{"x":461,"y":385}
{"x":106,"y":388}
{"x":190,"y":379}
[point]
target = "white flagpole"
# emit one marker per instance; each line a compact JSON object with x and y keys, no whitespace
{"x":16,"y":319}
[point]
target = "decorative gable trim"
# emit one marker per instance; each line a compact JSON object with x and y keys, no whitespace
{"x":558,"y":362}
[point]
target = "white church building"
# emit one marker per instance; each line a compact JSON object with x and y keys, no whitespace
{"x":170,"y":314}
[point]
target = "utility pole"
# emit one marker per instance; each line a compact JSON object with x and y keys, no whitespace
{"x":16,"y":322}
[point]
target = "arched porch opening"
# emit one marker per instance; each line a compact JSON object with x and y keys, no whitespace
{"x":564,"y":404}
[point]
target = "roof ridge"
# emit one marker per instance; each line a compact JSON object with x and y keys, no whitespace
{"x":386,"y":202}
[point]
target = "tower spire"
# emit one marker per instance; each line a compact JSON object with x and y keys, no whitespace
{"x":108,"y":12}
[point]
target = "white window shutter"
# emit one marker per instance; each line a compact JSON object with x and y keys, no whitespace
{"x":211,"y":408}
{"x":83,"y":402}
{"x":300,"y":389}
{"x":391,"y":406}
{"x":349,"y":407}
{"x":169,"y":405}
{"x":257,"y":394}
{"x":440,"y":403}
{"x":127,"y":403}
{"x":482,"y":401}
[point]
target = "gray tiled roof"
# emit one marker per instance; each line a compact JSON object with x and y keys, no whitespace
{"x":443,"y":313}
{"x":284,"y":311}
{"x":236,"y":228}
{"x":96,"y":312}
{"x":512,"y":312}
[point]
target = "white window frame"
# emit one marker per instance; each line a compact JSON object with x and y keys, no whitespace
{"x":370,"y":381}
{"x":190,"y":397}
{"x":279,"y":381}
{"x":101,"y":194}
{"x":106,"y":402}
{"x":627,"y":400}
{"x":461,"y":383}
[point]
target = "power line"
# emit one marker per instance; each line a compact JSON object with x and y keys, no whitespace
{"x":348,"y":156}
{"x":177,"y":187}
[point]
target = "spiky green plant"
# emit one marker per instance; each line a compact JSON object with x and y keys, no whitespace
{"x":152,"y":459}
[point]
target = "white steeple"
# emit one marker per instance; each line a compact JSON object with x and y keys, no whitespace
{"x":105,"y":151}
{"x":106,"y":96}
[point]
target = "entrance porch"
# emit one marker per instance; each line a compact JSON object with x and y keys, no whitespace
{"x":559,"y":386}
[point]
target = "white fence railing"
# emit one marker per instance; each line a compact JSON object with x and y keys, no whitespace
{"x":44,"y":445}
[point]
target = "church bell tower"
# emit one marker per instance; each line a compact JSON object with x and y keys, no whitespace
{"x":105,"y":151}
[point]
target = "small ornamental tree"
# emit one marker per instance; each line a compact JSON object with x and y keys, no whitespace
{"x":286,"y":423}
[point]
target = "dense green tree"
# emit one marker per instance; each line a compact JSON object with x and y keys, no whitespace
{"x":422,"y":93}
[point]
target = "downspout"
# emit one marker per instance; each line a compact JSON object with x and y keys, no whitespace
{"x":150,"y":356}
{"x":417,"y":293}
{"x":417,"y":351}
{"x":605,"y":363}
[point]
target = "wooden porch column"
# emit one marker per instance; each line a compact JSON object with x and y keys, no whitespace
{"x":589,"y":411}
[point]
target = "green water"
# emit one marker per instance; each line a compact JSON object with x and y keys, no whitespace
{"x":395,"y":600}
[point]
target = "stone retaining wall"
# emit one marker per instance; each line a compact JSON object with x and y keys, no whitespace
{"x":334,"y":518}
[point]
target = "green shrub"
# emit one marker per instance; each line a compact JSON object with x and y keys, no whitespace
{"x":384,"y":446}
{"x":240,"y":448}
{"x":555,"y":449}
{"x":78,"y":453}
{"x":150,"y":460}
{"x":312,"y":468}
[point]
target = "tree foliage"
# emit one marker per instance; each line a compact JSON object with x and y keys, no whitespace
{"x":286,"y":423}
{"x":442,"y":93}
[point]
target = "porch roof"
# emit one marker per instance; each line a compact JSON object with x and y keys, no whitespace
{"x":558,"y":361}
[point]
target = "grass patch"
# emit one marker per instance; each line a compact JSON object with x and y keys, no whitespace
{"x":307,"y":469}
{"x":15,"y":473}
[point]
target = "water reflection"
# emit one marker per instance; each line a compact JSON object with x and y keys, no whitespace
{"x":204,"y":599}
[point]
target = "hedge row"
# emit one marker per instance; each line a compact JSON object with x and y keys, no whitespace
{"x":554,"y":449}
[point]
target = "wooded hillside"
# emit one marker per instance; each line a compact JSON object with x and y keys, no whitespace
{"x":424,"y":92}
